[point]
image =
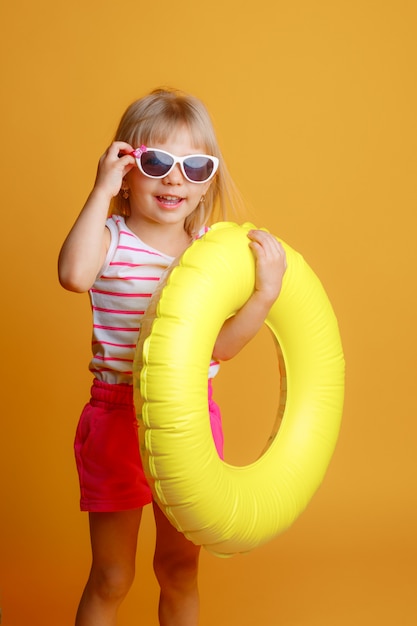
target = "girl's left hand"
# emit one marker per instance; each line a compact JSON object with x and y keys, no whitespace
{"x":270,"y":264}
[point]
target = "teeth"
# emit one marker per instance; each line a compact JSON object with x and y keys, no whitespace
{"x":170,"y":198}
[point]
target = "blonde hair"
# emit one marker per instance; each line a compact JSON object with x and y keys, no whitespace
{"x":151,"y":119}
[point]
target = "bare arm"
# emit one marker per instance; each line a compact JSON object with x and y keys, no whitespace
{"x":238,"y":330}
{"x":85,"y":247}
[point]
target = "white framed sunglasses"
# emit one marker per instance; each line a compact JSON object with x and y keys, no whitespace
{"x":156,"y":163}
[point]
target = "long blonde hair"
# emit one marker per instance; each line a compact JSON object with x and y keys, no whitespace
{"x":151,"y":119}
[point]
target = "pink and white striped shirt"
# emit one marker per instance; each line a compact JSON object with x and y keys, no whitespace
{"x":119,"y":299}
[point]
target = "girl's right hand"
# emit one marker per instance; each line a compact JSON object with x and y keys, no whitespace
{"x":85,"y":247}
{"x":113,"y":166}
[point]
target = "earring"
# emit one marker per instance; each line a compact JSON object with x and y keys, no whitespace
{"x":125,"y":192}
{"x":201,"y":203}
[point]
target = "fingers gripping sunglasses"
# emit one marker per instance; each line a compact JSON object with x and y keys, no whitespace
{"x":155,"y":163}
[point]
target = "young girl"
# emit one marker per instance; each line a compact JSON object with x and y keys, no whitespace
{"x":163,"y":175}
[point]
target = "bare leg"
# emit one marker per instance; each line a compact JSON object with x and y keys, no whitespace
{"x":176,"y":568}
{"x":113,"y":544}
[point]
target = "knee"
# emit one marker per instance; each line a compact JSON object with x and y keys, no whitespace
{"x":111,"y":584}
{"x":176,"y":571}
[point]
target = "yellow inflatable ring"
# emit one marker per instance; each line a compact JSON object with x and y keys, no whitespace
{"x":224,"y":508}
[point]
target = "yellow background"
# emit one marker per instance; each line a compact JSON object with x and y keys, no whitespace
{"x":315,"y":108}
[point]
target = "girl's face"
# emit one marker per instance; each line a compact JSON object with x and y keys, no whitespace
{"x":168,"y":200}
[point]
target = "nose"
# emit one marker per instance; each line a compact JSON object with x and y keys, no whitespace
{"x":175,"y":176}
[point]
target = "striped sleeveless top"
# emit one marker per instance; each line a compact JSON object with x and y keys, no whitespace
{"x":119,"y":299}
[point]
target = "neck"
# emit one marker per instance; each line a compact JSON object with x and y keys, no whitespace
{"x":171,"y":239}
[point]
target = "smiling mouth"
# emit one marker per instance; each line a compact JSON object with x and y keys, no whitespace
{"x":169,"y":200}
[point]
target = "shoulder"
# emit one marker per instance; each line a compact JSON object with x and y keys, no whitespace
{"x":203,"y":230}
{"x":115,"y":223}
{"x":115,"y":227}
{"x":111,"y":239}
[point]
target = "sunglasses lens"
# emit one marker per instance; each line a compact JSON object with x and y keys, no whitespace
{"x":198,"y":168}
{"x":156,"y":163}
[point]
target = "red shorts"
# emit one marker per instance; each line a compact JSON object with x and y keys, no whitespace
{"x":107,"y":450}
